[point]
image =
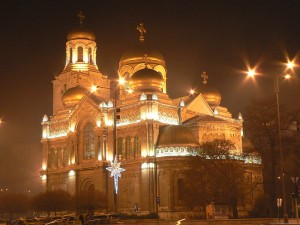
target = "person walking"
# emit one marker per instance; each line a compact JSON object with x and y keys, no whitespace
{"x":81,"y":218}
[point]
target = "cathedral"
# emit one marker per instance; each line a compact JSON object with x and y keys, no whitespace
{"x":97,"y":119}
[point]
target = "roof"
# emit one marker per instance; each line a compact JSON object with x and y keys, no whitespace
{"x":176,"y":136}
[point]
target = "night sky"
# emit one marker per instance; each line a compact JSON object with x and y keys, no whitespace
{"x":219,"y":37}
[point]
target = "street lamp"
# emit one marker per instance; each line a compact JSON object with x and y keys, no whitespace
{"x":251,"y":73}
{"x":115,"y":168}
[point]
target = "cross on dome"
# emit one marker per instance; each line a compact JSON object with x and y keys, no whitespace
{"x":204,"y":75}
{"x":142,"y":31}
{"x":81,"y":17}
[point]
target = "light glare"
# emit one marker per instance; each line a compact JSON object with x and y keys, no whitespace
{"x":251,"y":73}
{"x":94,"y":88}
{"x":290,"y":65}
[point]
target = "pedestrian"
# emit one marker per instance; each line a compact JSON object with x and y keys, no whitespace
{"x":81,"y":218}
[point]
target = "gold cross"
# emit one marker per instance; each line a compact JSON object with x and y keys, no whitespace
{"x":142,"y":31}
{"x":205,"y":77}
{"x":81,"y":17}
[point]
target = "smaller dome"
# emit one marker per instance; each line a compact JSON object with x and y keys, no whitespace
{"x":73,"y":95}
{"x":81,"y":33}
{"x":176,"y":136}
{"x":211,"y":95}
{"x":146,"y":80}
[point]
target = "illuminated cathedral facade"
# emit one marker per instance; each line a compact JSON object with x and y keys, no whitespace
{"x":151,"y":133}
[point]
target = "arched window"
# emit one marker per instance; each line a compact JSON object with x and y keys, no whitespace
{"x":66,"y":157}
{"x":120,"y":148}
{"x":88,"y":141}
{"x":71,"y":55}
{"x":59,"y":158}
{"x":90,"y":56}
{"x":50,"y":158}
{"x":137,"y":147}
{"x":128,"y":147}
{"x":79,"y":54}
{"x":180,"y":189}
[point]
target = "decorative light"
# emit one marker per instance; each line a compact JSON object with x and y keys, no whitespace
{"x":181,"y":104}
{"x":192,"y":92}
{"x":103,"y":105}
{"x":94,"y":88}
{"x":71,"y":173}
{"x":147,"y":165}
{"x":98,"y":122}
{"x":110,"y":104}
{"x":116,"y":171}
{"x":45,"y":118}
{"x":121,"y":80}
{"x":154,"y":97}
{"x":143,"y":97}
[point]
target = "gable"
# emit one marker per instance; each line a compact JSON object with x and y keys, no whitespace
{"x":86,"y":108}
{"x":199,"y":106}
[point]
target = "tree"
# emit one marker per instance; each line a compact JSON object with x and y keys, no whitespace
{"x":90,"y":200}
{"x":215,"y":176}
{"x":11,"y":203}
{"x":197,"y":190}
{"x":226,"y":173}
{"x":52,"y":201}
{"x":261,"y":128}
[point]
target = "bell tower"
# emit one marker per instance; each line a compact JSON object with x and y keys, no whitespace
{"x":80,"y":68}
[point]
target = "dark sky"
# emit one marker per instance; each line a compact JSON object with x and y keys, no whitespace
{"x":218,"y":37}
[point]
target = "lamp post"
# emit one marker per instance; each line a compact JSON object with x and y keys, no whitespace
{"x":115,"y":168}
{"x":252,"y":73}
{"x":276,"y":89}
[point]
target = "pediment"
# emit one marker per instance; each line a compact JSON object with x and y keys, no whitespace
{"x":85,"y":108}
{"x":199,"y":105}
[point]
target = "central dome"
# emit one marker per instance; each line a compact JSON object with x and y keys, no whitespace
{"x":137,"y":55}
{"x":81,"y":33}
{"x":73,"y":95}
{"x":146,"y":80}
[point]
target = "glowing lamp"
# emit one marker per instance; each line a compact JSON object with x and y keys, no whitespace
{"x":94,"y":88}
{"x":290,"y":65}
{"x":251,"y":73}
{"x":71,"y":173}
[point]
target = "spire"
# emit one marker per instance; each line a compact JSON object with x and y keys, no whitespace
{"x":81,"y":18}
{"x":142,"y":31}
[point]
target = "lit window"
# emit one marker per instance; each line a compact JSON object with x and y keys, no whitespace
{"x":80,"y":54}
{"x":88,"y":141}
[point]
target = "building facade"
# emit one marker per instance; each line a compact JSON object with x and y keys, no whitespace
{"x":152,"y":134}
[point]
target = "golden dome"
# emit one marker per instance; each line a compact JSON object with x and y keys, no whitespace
{"x":146,"y":80}
{"x":73,"y":95}
{"x":176,"y":136}
{"x":81,"y":33}
{"x":138,"y":55}
{"x":211,"y":95}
